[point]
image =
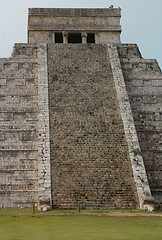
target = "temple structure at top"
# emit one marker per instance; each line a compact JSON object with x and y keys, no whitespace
{"x":52,"y":25}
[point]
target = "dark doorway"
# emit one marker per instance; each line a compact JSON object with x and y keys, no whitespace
{"x":90,"y":38}
{"x":58,"y":38}
{"x":74,"y":38}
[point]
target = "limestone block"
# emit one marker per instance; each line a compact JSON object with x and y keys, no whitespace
{"x":148,"y":204}
{"x":2,"y":82}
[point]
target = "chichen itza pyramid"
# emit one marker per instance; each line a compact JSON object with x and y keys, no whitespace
{"x":80,"y":116}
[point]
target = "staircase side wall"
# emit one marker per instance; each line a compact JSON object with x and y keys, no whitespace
{"x":143,"y":189}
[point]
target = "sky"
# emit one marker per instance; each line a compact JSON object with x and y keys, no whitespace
{"x":141,"y":22}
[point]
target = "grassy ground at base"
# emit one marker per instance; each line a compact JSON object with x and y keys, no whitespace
{"x":28,"y":211}
{"x":76,"y":226}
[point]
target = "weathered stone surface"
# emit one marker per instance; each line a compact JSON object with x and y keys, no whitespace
{"x":143,"y":80}
{"x":18,"y":131}
{"x":139,"y":173}
{"x":89,"y":153}
{"x":68,"y":107}
{"x":44,"y":170}
{"x":43,"y":23}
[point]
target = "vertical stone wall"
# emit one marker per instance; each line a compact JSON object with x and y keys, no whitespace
{"x":18,"y":127}
{"x":89,"y":154}
{"x":44,"y":169}
{"x":143,"y":79}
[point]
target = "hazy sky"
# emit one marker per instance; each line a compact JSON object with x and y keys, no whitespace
{"x":141,"y":22}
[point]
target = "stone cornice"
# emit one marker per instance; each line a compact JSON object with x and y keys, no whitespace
{"x":67,"y":12}
{"x":85,"y":28}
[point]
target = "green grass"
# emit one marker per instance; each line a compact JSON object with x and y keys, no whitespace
{"x":14,"y":226}
{"x":24,"y":211}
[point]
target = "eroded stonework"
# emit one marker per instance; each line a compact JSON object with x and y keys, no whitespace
{"x":143,"y":79}
{"x":80,"y":116}
{"x":89,"y":153}
{"x":18,"y":127}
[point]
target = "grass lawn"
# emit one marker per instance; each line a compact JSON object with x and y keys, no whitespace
{"x":75,"y":226}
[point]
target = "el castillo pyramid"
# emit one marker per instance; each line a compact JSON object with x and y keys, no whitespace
{"x":80,"y":116}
